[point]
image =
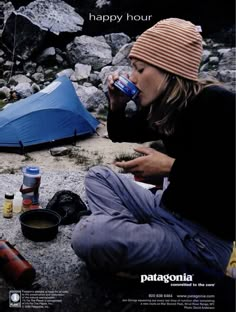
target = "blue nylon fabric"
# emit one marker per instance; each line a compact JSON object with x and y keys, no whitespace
{"x":54,"y":113}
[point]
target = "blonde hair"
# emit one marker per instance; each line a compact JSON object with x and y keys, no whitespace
{"x":178,"y":92}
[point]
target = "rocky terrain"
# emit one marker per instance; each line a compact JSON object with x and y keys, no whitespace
{"x":33,"y":53}
{"x":29,"y":60}
{"x":57,"y":267}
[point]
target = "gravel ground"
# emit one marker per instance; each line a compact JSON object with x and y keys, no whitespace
{"x":57,"y":267}
{"x":60,"y":271}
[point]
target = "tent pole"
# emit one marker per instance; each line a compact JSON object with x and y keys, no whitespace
{"x":21,"y":148}
{"x":75,"y":135}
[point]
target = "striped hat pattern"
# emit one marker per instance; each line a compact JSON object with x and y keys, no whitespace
{"x":172,"y":44}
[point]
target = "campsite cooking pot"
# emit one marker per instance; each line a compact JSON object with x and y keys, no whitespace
{"x":40,"y":224}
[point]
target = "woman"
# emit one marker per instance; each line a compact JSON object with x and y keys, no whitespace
{"x":191,"y":223}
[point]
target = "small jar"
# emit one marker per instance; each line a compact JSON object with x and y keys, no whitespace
{"x":8,"y":205}
{"x":17,"y":202}
{"x":26,"y":204}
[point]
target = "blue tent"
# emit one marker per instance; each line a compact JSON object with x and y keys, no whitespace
{"x":54,"y":113}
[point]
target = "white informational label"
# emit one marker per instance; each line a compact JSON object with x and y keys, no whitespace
{"x":198,"y":28}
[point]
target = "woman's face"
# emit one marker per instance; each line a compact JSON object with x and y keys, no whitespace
{"x":149,"y":79}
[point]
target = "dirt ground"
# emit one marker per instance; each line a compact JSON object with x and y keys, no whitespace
{"x":94,"y":150}
{"x":58,"y":268}
{"x":59,"y":272}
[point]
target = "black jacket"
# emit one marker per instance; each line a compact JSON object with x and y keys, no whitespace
{"x":202,"y":179}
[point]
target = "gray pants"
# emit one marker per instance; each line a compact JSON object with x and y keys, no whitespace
{"x":129,"y":230}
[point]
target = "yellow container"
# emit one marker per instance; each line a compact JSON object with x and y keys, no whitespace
{"x":8,"y":205}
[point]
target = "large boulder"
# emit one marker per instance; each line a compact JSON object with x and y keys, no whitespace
{"x":88,"y":50}
{"x":26,"y":29}
{"x":116,"y":41}
{"x":91,"y":97}
{"x":55,"y":16}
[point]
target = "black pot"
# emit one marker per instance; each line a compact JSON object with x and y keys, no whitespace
{"x":40,"y":224}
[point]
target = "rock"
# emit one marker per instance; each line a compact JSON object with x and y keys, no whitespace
{"x":87,"y":84}
{"x":88,"y":50}
{"x":59,"y":59}
{"x":223,"y":51}
{"x":81,"y":72}
{"x":230,"y":86}
{"x":38,"y":77}
{"x":49,"y":74}
{"x":55,"y":16}
{"x":39,"y":69}
{"x":212,"y":74}
{"x":4,"y":92}
{"x":23,"y":89}
{"x":121,"y":58}
{"x":60,"y":151}
{"x":1,"y":15}
{"x":7,"y":8}
{"x":68,"y":72}
{"x":30,"y":67}
{"x":91,"y":97}
{"x":116,"y":41}
{"x":28,"y":37}
{"x":204,"y":67}
{"x":204,"y":44}
{"x":47,"y":55}
{"x":214,"y":60}
{"x":227,"y":75}
{"x":217,"y":45}
{"x":34,"y":21}
{"x":8,"y":65}
{"x":6,"y":74}
{"x":205,"y":56}
{"x":3,"y":82}
{"x":102,"y":3}
{"x":19,"y":79}
{"x":94,"y":78}
{"x":228,"y":60}
{"x":35,"y":88}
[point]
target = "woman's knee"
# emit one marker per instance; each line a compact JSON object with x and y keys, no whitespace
{"x":93,"y":241}
{"x":89,"y":234}
{"x":97,"y":173}
{"x":81,"y":237}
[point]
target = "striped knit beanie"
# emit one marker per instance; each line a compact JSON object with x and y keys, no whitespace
{"x":172,"y":44}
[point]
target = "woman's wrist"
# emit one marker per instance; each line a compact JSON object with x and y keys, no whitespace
{"x":167,"y":165}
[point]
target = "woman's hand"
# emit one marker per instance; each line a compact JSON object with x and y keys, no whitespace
{"x":118,"y":100}
{"x":153,"y":163}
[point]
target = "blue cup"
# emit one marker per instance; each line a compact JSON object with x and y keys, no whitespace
{"x":127,"y":87}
